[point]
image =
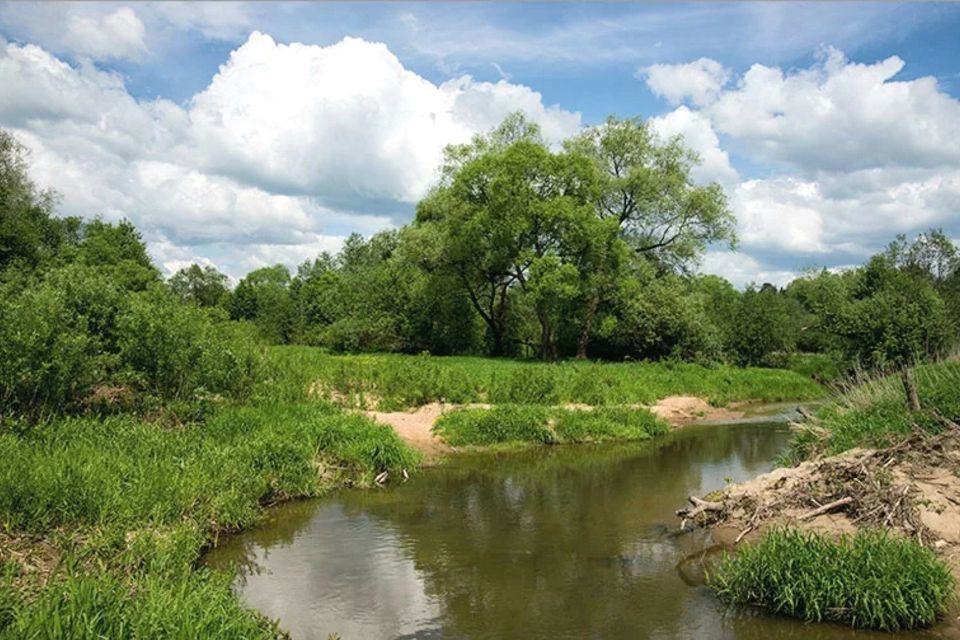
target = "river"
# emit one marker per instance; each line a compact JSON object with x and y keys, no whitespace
{"x":551,"y":542}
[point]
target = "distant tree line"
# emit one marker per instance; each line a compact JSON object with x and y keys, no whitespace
{"x":523,"y":251}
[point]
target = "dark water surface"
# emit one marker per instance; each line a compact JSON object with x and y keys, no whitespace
{"x":554,"y":542}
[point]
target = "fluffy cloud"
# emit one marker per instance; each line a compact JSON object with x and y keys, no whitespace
{"x":699,"y":81}
{"x":853,"y":156}
{"x":840,"y":116}
{"x":345,"y":119}
{"x":115,"y":35}
{"x":743,"y":270}
{"x":257,"y":167}
{"x":698,"y":134}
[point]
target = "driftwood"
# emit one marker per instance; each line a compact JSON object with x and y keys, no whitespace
{"x":697,"y":507}
{"x":830,"y":506}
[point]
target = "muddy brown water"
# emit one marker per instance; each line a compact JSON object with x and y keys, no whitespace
{"x":553,"y":542}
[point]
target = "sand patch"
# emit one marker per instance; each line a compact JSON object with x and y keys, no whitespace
{"x":681,"y":410}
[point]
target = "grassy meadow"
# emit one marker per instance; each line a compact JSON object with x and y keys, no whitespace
{"x":873,"y":412}
{"x":392,"y":381}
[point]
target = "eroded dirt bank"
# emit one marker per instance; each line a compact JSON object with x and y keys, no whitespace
{"x":414,"y":426}
{"x":912,"y":489}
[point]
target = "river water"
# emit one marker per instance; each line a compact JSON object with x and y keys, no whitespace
{"x":552,"y":542}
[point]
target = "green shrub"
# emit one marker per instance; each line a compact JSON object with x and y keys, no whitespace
{"x":498,"y":425}
{"x":608,"y":424}
{"x":55,"y":341}
{"x":174,"y":350}
{"x":870,"y":580}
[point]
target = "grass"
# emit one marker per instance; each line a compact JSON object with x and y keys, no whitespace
{"x":392,"y":381}
{"x":512,"y":424}
{"x":874,"y":412}
{"x":129,"y":506}
{"x":870,"y":580}
{"x":108,"y":516}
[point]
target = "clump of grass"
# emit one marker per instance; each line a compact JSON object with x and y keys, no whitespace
{"x":604,"y":424}
{"x":506,"y":423}
{"x":870,"y":580}
{"x":513,"y":423}
{"x":110,"y":605}
{"x":121,"y":471}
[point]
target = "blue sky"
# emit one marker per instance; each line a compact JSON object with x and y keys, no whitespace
{"x":246,"y":134}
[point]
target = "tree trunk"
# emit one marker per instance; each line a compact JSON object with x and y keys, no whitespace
{"x":910,"y":389}
{"x":584,"y":341}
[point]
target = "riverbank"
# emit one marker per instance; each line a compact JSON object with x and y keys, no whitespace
{"x":103,"y":519}
{"x":866,"y":461}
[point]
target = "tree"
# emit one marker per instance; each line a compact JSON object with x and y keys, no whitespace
{"x":202,"y":286}
{"x":761,"y":325}
{"x":514,"y":219}
{"x":647,"y":192}
{"x":29,"y":234}
{"x":264,"y":297}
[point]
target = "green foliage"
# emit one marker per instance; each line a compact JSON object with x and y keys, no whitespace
{"x":109,"y":605}
{"x":124,"y":472}
{"x":871,"y":580}
{"x":393,"y":381}
{"x":203,"y":286}
{"x":762,"y":326}
{"x":875,"y":413}
{"x":176,"y":351}
{"x":608,"y":423}
{"x":264,"y":297}
{"x":505,"y":423}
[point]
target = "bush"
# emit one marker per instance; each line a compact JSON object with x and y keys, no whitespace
{"x":55,"y":340}
{"x":871,"y":580}
{"x":498,"y":425}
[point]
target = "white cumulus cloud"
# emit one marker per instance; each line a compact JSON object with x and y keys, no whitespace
{"x":699,"y":82}
{"x":114,"y":35}
{"x":289,"y":148}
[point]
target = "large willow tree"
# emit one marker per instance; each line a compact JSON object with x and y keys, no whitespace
{"x":646,"y":190}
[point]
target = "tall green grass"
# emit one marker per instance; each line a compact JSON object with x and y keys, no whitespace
{"x":129,"y":507}
{"x":511,"y":424}
{"x":392,"y":381}
{"x":870,"y":580}
{"x":873,"y":412}
{"x":126,"y":472}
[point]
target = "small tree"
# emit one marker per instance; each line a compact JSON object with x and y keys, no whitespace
{"x":202,"y":286}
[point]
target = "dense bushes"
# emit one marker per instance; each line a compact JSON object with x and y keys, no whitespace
{"x":74,"y":337}
{"x":870,"y":580}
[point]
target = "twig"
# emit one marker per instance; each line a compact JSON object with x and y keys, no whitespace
{"x":830,"y":506}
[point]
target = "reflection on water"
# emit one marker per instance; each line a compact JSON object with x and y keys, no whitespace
{"x":555,"y":542}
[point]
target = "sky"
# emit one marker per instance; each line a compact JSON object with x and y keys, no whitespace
{"x":242,"y":134}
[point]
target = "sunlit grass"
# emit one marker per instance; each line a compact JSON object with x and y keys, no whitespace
{"x":873,"y":411}
{"x":511,"y":423}
{"x":392,"y":381}
{"x":870,"y":580}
